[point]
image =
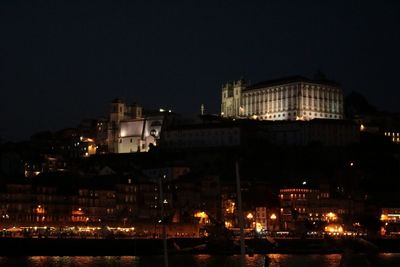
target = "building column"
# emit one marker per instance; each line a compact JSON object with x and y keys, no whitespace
{"x":250,"y":104}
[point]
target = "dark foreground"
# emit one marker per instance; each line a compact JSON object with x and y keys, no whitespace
{"x":143,"y":247}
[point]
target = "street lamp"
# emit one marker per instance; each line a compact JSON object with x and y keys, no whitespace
{"x":273,"y":218}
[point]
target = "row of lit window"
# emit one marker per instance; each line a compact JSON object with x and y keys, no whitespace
{"x":301,"y":190}
{"x":294,"y":114}
{"x":295,"y":196}
{"x":392,"y":134}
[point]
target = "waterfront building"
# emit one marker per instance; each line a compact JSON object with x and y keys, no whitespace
{"x":290,"y":98}
{"x":261,"y":218}
{"x":300,"y":204}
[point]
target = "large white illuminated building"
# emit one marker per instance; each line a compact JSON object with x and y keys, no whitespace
{"x":130,"y":131}
{"x":291,"y":98}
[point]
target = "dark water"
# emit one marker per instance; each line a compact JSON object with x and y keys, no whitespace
{"x":385,"y":260}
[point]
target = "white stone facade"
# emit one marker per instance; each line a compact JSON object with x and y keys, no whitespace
{"x":137,"y":135}
{"x":293,"y":98}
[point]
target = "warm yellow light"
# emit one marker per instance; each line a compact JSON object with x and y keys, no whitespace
{"x":273,"y":216}
{"x":203,"y":217}
{"x":384,"y":217}
{"x":249,"y":216}
{"x":334,"y":229}
{"x":331,"y":216}
{"x":228,"y":224}
{"x":200,"y":214}
{"x":258,"y":227}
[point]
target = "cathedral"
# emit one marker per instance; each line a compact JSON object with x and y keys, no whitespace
{"x":290,"y":98}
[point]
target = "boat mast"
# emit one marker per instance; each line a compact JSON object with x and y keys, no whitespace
{"x":163,"y":222}
{"x":240,"y":213}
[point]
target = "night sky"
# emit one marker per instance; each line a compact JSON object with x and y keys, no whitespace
{"x":62,"y":61}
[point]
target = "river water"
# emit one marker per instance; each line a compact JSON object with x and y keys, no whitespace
{"x":385,"y":260}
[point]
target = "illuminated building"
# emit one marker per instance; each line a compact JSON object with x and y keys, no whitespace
{"x":136,"y":135}
{"x":314,"y":205}
{"x":390,"y":215}
{"x":120,"y":111}
{"x":261,"y":217}
{"x":291,"y":98}
{"x":129,"y":130}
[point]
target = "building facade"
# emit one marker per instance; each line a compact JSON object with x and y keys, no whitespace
{"x":129,"y":130}
{"x":292,"y":98}
{"x":119,"y":112}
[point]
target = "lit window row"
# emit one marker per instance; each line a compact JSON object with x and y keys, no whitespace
{"x":392,"y":134}
{"x":296,"y":190}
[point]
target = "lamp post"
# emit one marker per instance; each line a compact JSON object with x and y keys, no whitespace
{"x":273,"y":218}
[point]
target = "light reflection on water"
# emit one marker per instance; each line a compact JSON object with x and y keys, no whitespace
{"x":282,"y":260}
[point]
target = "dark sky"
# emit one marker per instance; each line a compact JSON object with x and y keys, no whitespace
{"x":62,"y":61}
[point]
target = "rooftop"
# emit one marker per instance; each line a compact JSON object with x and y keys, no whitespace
{"x":290,"y":79}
